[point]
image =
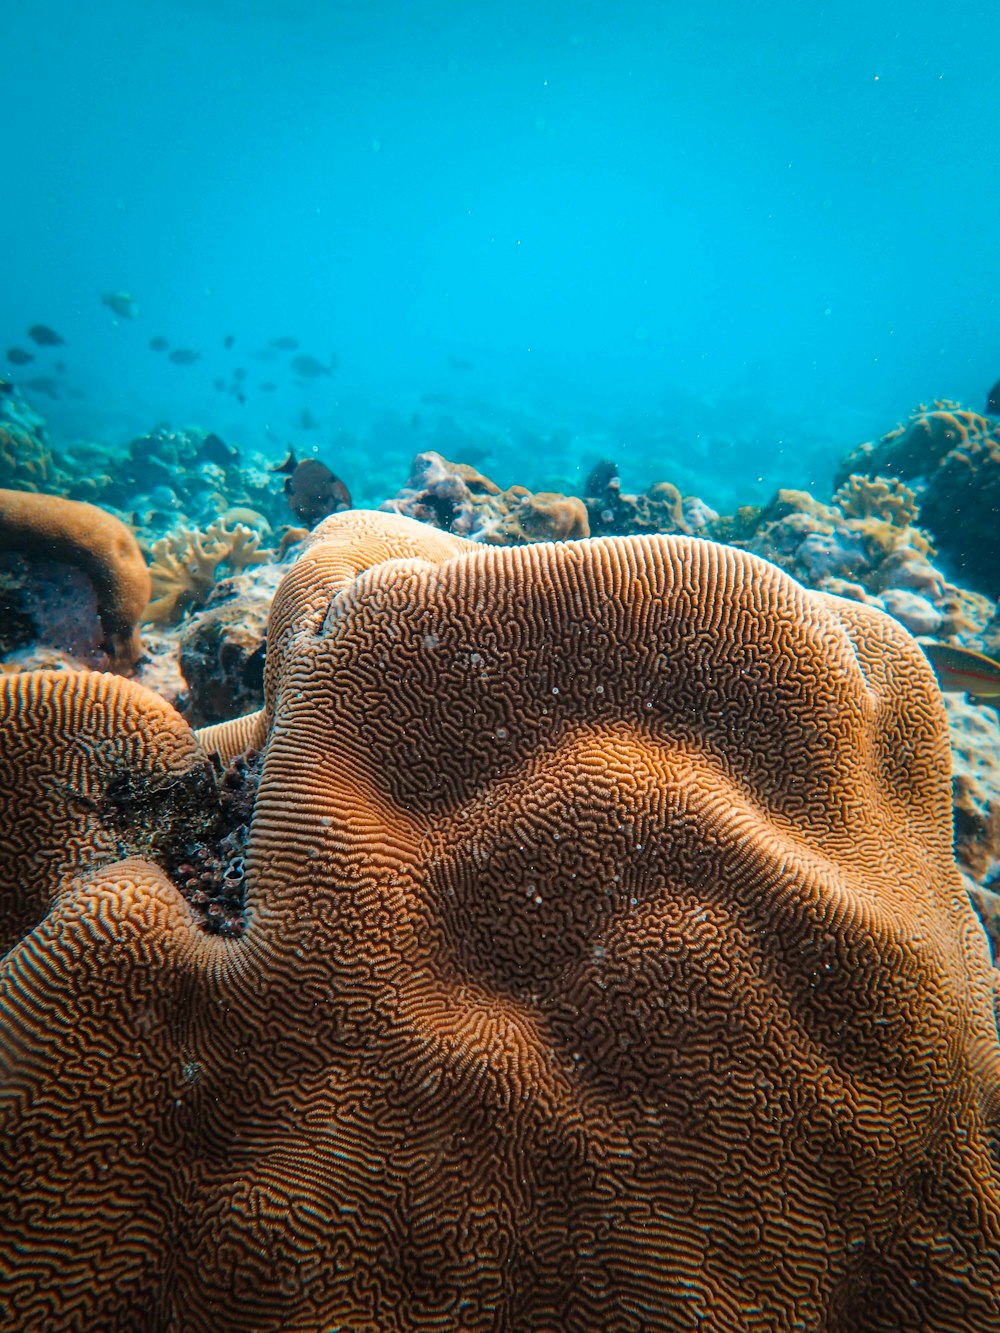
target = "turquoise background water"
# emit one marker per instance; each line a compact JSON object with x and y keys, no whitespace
{"x":718,"y":243}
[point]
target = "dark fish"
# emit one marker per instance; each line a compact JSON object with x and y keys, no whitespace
{"x":219,"y":385}
{"x":122,"y":303}
{"x":288,"y":466}
{"x":602,"y":478}
{"x":228,"y":341}
{"x":963,"y":670}
{"x":241,"y":398}
{"x":472,"y":454}
{"x":307,"y":421}
{"x":213,"y":449}
{"x":286,"y":344}
{"x":268,"y":386}
{"x":313,"y":492}
{"x":158,"y":344}
{"x":44,"y":336}
{"x":239,"y":373}
{"x":460,"y":363}
{"x":308,"y":367}
{"x":17,"y":356}
{"x":993,"y":401}
{"x":42,"y":384}
{"x":183,"y":356}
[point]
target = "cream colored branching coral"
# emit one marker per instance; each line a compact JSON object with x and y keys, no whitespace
{"x":606,"y":967}
{"x":185,"y":564}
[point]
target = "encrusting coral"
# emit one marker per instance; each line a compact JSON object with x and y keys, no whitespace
{"x":81,"y":535}
{"x":952,"y":457}
{"x":185,"y":564}
{"x":604,"y":966}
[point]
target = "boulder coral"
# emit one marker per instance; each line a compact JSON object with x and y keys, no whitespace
{"x":605,"y":966}
{"x":74,"y":533}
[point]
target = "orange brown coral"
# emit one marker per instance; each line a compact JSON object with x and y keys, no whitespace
{"x":606,"y":967}
{"x":94,"y":541}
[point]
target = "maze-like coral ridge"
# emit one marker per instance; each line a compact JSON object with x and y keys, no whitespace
{"x":606,"y":967}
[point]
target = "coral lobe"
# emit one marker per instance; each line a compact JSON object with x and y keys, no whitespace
{"x":606,"y":967}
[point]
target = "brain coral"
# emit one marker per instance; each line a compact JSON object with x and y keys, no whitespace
{"x":94,"y":541}
{"x":606,"y":967}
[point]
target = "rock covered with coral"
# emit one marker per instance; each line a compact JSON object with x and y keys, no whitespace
{"x":222,"y":647}
{"x":583,"y":967}
{"x":951,"y":457}
{"x":662,"y":508}
{"x":459,"y":499}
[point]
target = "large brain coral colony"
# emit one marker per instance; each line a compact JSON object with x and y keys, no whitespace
{"x":605,"y":966}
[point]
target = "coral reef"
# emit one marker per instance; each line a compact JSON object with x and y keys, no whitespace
{"x":460,"y":500}
{"x":660,"y":509}
{"x":69,"y":532}
{"x":864,"y":537}
{"x":539,"y":517}
{"x":222,"y":647}
{"x":952,"y":458}
{"x":26,"y":459}
{"x":184,"y":566}
{"x":603,"y":965}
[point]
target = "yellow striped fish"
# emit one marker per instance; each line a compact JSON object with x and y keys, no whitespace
{"x":963,"y":670}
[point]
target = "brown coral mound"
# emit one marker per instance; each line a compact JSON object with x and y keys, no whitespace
{"x":606,"y":967}
{"x":80,"y":534}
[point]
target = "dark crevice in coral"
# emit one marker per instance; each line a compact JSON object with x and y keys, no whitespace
{"x":197,"y":830}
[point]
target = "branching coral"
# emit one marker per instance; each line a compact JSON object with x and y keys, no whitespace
{"x":884,"y":498}
{"x":185,"y":565}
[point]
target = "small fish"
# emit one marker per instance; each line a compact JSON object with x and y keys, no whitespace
{"x":228,"y":341}
{"x":241,"y":398}
{"x":460,"y":363}
{"x":963,"y":670}
{"x":308,"y":367}
{"x":268,"y":386}
{"x":288,"y":466}
{"x":314,"y":491}
{"x":183,"y":356}
{"x":158,"y":344}
{"x":42,"y":384}
{"x":17,"y":356}
{"x":307,"y":421}
{"x":286,"y":344}
{"x":44,"y":336}
{"x":122,"y":303}
{"x":213,"y":449}
{"x":219,"y":385}
{"x":239,"y":373}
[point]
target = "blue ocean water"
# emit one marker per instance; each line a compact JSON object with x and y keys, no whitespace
{"x":718,"y":244}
